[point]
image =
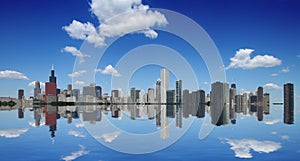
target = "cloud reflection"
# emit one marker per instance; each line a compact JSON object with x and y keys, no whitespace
{"x":13,"y":133}
{"x":76,"y":154}
{"x":242,"y":147}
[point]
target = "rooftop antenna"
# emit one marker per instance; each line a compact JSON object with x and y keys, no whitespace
{"x":52,"y":67}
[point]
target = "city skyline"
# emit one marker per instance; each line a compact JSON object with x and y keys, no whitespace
{"x":150,"y":80}
{"x":283,"y":71}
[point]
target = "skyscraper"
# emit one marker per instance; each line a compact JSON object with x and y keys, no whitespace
{"x":52,"y":78}
{"x":37,"y":89}
{"x":266,"y":104}
{"x":288,"y":103}
{"x":20,"y":94}
{"x":219,"y":103}
{"x":178,"y":92}
{"x":260,"y":101}
{"x":164,"y":76}
{"x":232,"y":94}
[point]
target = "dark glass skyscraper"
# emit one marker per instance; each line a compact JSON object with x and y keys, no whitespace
{"x":52,"y":77}
{"x":288,"y":103}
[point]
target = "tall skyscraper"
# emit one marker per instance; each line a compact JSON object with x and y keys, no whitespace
{"x":20,"y":94}
{"x":288,"y":103}
{"x":266,"y":104}
{"x":37,"y":89}
{"x":232,"y":94}
{"x":52,"y":78}
{"x":178,"y":91}
{"x":170,"y":103}
{"x":219,"y":105}
{"x":185,"y":103}
{"x":133,"y":95}
{"x":260,"y":101}
{"x":164,"y":76}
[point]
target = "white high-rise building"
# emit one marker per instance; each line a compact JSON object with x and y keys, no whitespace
{"x":164,"y":77}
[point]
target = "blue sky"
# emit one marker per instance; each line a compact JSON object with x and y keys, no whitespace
{"x":32,"y":38}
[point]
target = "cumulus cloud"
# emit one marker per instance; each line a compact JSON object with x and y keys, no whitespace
{"x":285,"y":137}
{"x":76,"y":134}
{"x":77,"y":74}
{"x":79,"y":83}
{"x":32,"y":84}
{"x":274,"y":132}
{"x":242,"y":59}
{"x":274,"y":74}
{"x":285,"y":70}
{"x":110,"y":137}
{"x":13,"y":133}
{"x":206,"y":83}
{"x":74,"y":155}
{"x":116,"y":18}
{"x":272,"y":121}
{"x":10,"y":74}
{"x":272,"y":86}
{"x":109,"y":70}
{"x":76,"y":52}
{"x":242,"y":147}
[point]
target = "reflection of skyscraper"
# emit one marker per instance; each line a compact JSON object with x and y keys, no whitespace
{"x":219,"y":103}
{"x":37,"y":89}
{"x":164,"y":76}
{"x":288,"y":103}
{"x":50,"y":118}
{"x":20,"y":113}
{"x":260,"y":99}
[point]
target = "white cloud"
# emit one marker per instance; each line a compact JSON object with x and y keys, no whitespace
{"x":285,"y":137}
{"x":110,"y":137}
{"x":79,"y":83}
{"x":76,"y":134}
{"x":206,"y":83}
{"x":13,"y":133}
{"x":242,"y":147}
{"x":272,"y":86}
{"x":298,"y":56}
{"x":10,"y":74}
{"x":274,"y":132}
{"x":285,"y":70}
{"x":243,"y":60}
{"x":272,"y":121}
{"x":32,"y":84}
{"x":80,"y":124}
{"x":76,"y":52}
{"x":77,"y":74}
{"x":76,"y":154}
{"x":109,"y":70}
{"x":116,"y":18}
{"x":274,"y":74}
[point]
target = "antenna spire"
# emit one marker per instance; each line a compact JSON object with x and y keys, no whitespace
{"x":52,"y":67}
